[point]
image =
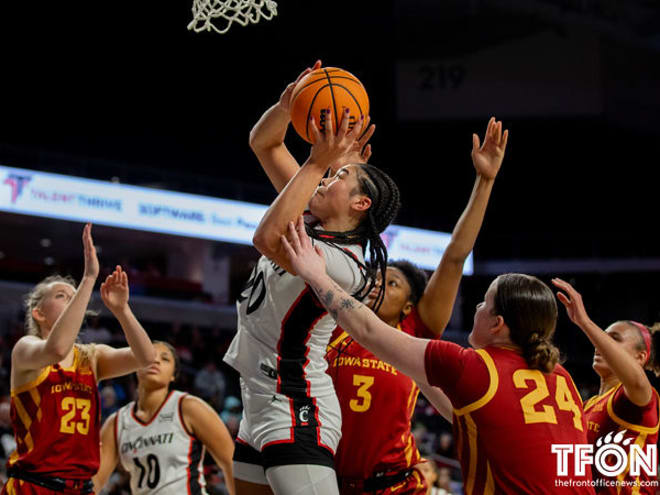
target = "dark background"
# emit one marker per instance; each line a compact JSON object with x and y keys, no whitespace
{"x":122,"y":89}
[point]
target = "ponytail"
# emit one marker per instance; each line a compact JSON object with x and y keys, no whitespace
{"x":540,"y":353}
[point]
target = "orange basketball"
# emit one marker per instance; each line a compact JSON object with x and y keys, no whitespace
{"x":328,"y":87}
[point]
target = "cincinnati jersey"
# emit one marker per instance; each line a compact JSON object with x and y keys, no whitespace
{"x":506,"y":417}
{"x":283,"y":330}
{"x":56,"y":422}
{"x":613,"y":412}
{"x":161,"y":456}
{"x":377,"y":403}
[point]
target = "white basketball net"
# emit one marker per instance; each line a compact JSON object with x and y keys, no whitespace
{"x":218,"y":15}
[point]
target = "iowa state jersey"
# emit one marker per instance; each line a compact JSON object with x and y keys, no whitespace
{"x":506,"y":417}
{"x":377,"y":402}
{"x":56,"y":422}
{"x":613,"y":412}
{"x":161,"y":456}
{"x":283,"y":330}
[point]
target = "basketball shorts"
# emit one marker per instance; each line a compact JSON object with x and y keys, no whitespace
{"x":287,"y":430}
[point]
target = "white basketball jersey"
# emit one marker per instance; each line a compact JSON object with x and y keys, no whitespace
{"x":283,"y":330}
{"x":160,"y":456}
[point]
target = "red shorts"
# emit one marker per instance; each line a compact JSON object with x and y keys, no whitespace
{"x":19,"y":487}
{"x":414,"y":484}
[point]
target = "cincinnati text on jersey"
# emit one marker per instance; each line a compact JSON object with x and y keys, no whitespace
{"x":142,"y":442}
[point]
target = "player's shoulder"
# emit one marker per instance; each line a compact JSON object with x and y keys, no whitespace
{"x":560,"y":370}
{"x":191,"y":404}
{"x":113,"y":418}
{"x":25,"y":340}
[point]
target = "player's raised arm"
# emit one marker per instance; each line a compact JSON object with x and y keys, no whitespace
{"x":436,"y":304}
{"x":625,"y":366}
{"x":58,"y":337}
{"x":293,"y":199}
{"x":401,"y":350}
{"x":267,"y":137}
{"x":112,"y":362}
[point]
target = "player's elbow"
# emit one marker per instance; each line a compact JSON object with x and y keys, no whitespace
{"x":266,"y":242}
{"x":258,"y":142}
{"x":639,"y":393}
{"x":254,"y":141}
{"x":57,"y":351}
{"x":146,"y":358}
{"x":455,"y":254}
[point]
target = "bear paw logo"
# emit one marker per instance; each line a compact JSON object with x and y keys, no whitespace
{"x":608,"y":439}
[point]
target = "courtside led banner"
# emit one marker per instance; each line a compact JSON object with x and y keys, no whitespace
{"x":64,"y":197}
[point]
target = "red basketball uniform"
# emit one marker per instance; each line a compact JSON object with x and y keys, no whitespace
{"x":56,"y":422}
{"x":613,"y":412}
{"x":506,"y":417}
{"x":377,"y":402}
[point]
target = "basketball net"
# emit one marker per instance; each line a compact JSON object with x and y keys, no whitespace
{"x":218,"y":15}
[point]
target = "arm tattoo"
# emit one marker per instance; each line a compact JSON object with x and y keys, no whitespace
{"x":347,"y":304}
{"x":333,"y":305}
{"x":327,"y":299}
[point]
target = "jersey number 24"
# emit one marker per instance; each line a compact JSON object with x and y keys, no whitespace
{"x":545,"y":414}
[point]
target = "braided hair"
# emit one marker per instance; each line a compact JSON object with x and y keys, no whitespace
{"x":385,"y":204}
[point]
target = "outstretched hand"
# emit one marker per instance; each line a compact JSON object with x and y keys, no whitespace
{"x":114,"y":291}
{"x":330,"y":148}
{"x":572,"y":300}
{"x":487,"y":157}
{"x":306,"y":260}
{"x":360,"y":152}
{"x":287,"y":94}
{"x":91,"y":260}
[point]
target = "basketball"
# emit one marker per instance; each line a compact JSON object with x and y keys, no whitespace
{"x":323,"y":89}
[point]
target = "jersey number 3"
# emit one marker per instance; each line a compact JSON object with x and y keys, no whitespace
{"x":547,"y":414}
{"x":71,"y":405}
{"x":363,"y":402}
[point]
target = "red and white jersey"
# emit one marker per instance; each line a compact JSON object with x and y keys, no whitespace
{"x":506,"y":418}
{"x":377,"y":403}
{"x":56,"y":422}
{"x":283,"y":330}
{"x":161,"y":456}
{"x":613,"y":412}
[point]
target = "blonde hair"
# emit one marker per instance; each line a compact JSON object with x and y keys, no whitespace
{"x":33,"y":299}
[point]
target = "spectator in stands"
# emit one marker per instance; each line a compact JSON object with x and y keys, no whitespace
{"x":210,"y":385}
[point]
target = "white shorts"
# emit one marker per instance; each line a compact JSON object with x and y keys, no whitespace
{"x":287,"y":430}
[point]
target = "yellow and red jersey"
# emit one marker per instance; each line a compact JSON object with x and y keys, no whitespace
{"x":56,"y":422}
{"x":506,"y":417}
{"x":377,"y":403}
{"x":613,"y":412}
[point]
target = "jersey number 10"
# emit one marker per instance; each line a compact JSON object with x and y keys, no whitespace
{"x":151,"y":470}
